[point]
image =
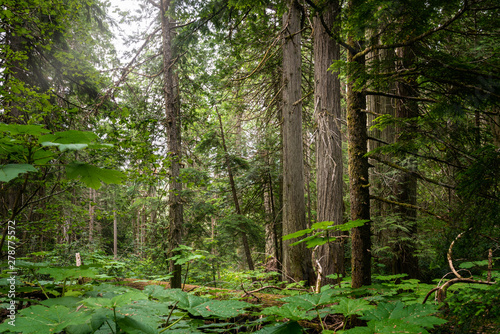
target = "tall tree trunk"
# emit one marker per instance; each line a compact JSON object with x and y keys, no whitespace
{"x":172,"y":126}
{"x":271,"y":249}
{"x":381,"y":176}
{"x":115,"y":235}
{"x":244,"y":238}
{"x":329,"y":166}
{"x":358,"y":167}
{"x":91,"y":214}
{"x":297,"y":259}
{"x":405,"y":185}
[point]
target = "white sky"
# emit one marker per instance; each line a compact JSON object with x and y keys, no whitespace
{"x":125,"y":28}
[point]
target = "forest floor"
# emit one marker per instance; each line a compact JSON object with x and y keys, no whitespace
{"x":262,"y":299}
{"x":265,"y":299}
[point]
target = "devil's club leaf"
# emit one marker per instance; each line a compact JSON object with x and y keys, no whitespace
{"x":46,"y":320}
{"x":350,"y":307}
{"x":291,"y":327}
{"x":92,"y":176}
{"x":11,"y":171}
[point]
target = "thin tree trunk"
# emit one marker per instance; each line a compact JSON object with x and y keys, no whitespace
{"x":270,"y":229}
{"x":91,"y":214}
{"x":297,"y":259}
{"x":329,"y":184}
{"x":244,"y":238}
{"x":358,"y":170}
{"x":172,"y":126}
{"x":115,"y":235}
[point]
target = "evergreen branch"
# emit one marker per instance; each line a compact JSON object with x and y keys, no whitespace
{"x":416,"y":38}
{"x":426,"y":157}
{"x":335,"y":37}
{"x":265,"y":58}
{"x":407,"y":205}
{"x":395,"y":96}
{"x":413,"y":173}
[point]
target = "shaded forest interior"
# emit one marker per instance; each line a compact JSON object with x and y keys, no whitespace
{"x":342,"y":154}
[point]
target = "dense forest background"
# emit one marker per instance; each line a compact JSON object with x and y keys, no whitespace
{"x":316,"y":141}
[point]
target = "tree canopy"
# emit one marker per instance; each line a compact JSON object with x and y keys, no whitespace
{"x":323,"y":144}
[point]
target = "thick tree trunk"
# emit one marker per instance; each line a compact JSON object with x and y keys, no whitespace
{"x":358,"y":170}
{"x":297,"y":259}
{"x":381,"y":176}
{"x":405,"y":185}
{"x":172,"y":126}
{"x":329,"y":166}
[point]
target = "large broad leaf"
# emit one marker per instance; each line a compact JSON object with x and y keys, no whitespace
{"x":66,"y":147}
{"x":396,"y":318}
{"x":132,"y":326}
{"x":291,"y":327}
{"x":116,"y":301}
{"x":185,"y":301}
{"x":149,"y":312}
{"x":357,"y":330}
{"x":68,"y":137}
{"x":22,"y":129}
{"x":221,"y":308}
{"x":69,"y":302}
{"x":311,"y":300}
{"x":99,"y":318}
{"x":288,"y":311}
{"x":11,"y":171}
{"x":349,"y":307}
{"x":297,"y":234}
{"x":416,"y":314}
{"x":45,"y":320}
{"x":92,"y":176}
{"x":127,"y":298}
{"x":395,"y":326}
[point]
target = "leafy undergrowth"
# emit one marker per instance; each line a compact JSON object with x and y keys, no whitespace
{"x":59,"y":305}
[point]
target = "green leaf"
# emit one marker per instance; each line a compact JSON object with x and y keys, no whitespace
{"x":322,"y":225}
{"x":414,"y":314}
{"x":145,"y":311}
{"x":127,"y":298}
{"x":66,"y":147}
{"x":23,"y":129}
{"x":288,"y":311}
{"x":69,"y":302}
{"x":97,"y":303}
{"x":221,"y":308}
{"x":69,"y":137}
{"x":46,"y":320}
{"x":291,"y":327}
{"x":62,"y":273}
{"x":351,"y":224}
{"x":357,"y":330}
{"x":349,"y":307}
{"x":311,"y":300}
{"x":92,"y":176}
{"x":296,"y":234}
{"x":11,"y":171}
{"x":41,"y":157}
{"x":395,"y":326}
{"x":131,"y":326}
